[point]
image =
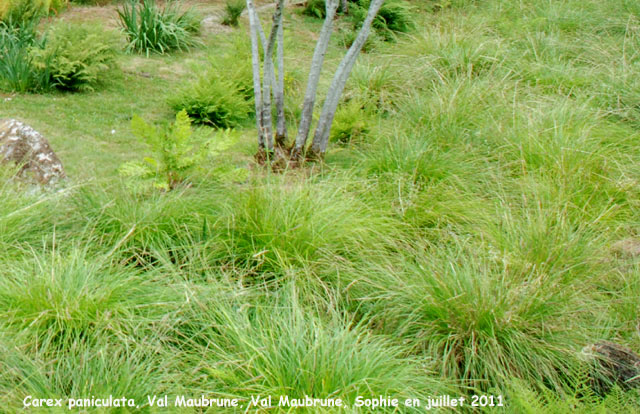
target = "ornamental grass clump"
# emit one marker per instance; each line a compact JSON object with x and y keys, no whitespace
{"x":150,"y":28}
{"x":18,"y":38}
{"x":232,"y":12}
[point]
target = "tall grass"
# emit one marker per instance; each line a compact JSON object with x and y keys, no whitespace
{"x":17,"y":69}
{"x":469,"y":241}
{"x":274,"y":226}
{"x":250,"y":343}
{"x":482,"y":323}
{"x":150,"y":28}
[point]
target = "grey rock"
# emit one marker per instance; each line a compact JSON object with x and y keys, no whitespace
{"x":23,"y":146}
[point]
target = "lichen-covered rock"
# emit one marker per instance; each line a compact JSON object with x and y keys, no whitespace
{"x":24,"y":146}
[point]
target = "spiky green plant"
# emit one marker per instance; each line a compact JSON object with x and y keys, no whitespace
{"x":232,"y":11}
{"x":150,"y":28}
{"x":18,"y":71}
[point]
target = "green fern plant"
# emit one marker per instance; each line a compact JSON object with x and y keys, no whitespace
{"x":174,"y":153}
{"x":76,"y":55}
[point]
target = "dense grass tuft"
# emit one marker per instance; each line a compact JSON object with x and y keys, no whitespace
{"x":150,"y":28}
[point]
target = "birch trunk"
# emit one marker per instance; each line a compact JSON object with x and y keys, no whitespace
{"x":314,"y":76}
{"x":344,"y":7}
{"x":281,"y":124}
{"x":255,"y":62}
{"x":265,"y":44}
{"x":321,"y":136}
{"x":268,"y":80}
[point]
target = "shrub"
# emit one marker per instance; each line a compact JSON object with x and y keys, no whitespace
{"x":75,"y":55}
{"x":233,"y":10}
{"x":213,"y":100}
{"x":27,"y":9}
{"x":394,"y":17}
{"x":150,"y":28}
{"x":315,"y":8}
{"x":221,"y":97}
{"x":69,"y":57}
{"x":17,"y":71}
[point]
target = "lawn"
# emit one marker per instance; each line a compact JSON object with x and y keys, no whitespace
{"x":473,"y":229}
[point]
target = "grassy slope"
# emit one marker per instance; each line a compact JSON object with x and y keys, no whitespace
{"x":469,"y":240}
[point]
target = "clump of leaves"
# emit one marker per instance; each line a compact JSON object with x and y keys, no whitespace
{"x":232,"y":12}
{"x":68,"y":57}
{"x":395,"y":16}
{"x":314,"y":8}
{"x":17,"y":72}
{"x":150,"y":28}
{"x":350,"y":123}
{"x":28,"y":9}
{"x":76,"y":55}
{"x":174,"y":153}
{"x":220,"y":97}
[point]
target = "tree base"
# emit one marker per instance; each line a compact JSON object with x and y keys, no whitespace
{"x":283,"y":158}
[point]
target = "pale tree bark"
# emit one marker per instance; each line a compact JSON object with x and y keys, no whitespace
{"x":281,"y":124}
{"x":265,"y":44}
{"x":255,"y":62}
{"x":269,"y":80}
{"x":321,"y":136}
{"x":314,"y":77}
{"x":278,"y":86}
{"x":344,"y":8}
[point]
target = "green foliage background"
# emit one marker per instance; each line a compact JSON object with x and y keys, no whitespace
{"x":474,"y":229}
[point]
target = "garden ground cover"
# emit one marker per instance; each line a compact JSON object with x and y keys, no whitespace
{"x":474,"y":226}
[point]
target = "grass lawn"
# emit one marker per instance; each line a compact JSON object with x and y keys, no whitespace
{"x":474,"y":228}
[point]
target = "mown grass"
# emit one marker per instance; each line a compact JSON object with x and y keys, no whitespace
{"x":468,"y":242}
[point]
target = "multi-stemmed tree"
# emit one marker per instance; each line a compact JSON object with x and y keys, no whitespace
{"x":269,"y":86}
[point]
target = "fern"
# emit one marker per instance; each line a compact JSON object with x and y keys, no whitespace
{"x":580,"y":398}
{"x":76,"y":55}
{"x":174,"y":155}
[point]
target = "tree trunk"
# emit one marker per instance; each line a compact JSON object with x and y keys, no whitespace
{"x":265,"y":45}
{"x":321,"y":137}
{"x":255,"y":62}
{"x":344,"y":7}
{"x":314,"y":77}
{"x":269,"y":81}
{"x":281,"y":124}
